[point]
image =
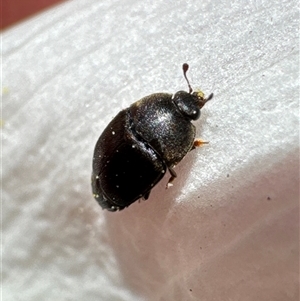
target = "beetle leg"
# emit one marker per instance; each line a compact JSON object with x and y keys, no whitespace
{"x":173,"y":176}
{"x":146,"y":195}
{"x":198,"y":143}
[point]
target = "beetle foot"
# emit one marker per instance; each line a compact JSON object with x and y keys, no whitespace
{"x":173,"y":176}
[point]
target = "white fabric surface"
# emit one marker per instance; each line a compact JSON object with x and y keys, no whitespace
{"x":228,"y":228}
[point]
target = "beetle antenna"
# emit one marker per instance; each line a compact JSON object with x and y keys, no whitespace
{"x":185,"y":68}
{"x":210,"y":97}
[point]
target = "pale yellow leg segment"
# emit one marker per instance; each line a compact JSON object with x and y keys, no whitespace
{"x":198,"y":143}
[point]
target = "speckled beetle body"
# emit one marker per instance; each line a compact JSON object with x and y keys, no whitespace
{"x":141,"y":143}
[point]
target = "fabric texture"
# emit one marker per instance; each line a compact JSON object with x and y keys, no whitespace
{"x":228,"y":229}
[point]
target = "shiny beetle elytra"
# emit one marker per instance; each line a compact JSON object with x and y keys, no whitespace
{"x":141,"y":143}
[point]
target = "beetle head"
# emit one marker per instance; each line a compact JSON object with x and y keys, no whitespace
{"x":190,"y":103}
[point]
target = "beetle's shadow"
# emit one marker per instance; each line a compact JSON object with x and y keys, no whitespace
{"x":165,"y":251}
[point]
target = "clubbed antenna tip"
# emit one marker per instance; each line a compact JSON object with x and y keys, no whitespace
{"x":185,"y":68}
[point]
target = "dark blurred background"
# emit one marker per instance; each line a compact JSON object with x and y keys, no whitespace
{"x":14,"y":11}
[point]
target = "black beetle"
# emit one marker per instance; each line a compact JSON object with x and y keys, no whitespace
{"x":141,"y":143}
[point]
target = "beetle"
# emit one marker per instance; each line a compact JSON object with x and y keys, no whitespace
{"x":141,"y":143}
